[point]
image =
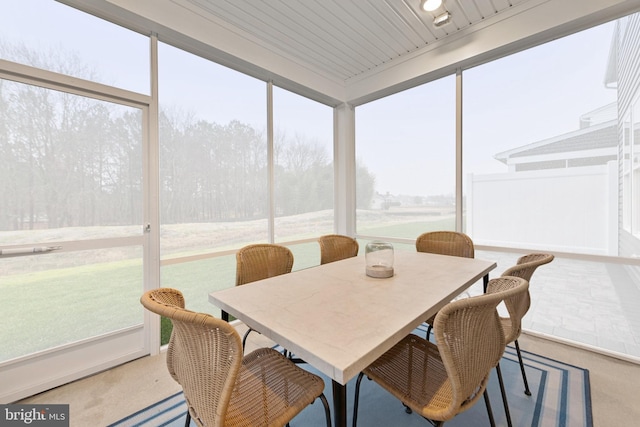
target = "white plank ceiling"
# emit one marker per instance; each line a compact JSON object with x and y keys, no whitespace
{"x":346,"y":38}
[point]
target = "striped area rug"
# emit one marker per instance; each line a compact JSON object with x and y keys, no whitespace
{"x":561,"y":397}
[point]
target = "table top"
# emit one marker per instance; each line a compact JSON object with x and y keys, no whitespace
{"x":338,"y":319}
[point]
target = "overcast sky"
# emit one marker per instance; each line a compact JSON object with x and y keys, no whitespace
{"x":520,"y":99}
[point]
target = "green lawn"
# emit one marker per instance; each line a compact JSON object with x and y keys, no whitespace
{"x":58,"y":306}
{"x":409,"y":230}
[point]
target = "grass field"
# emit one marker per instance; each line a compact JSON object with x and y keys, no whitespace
{"x":56,"y":299}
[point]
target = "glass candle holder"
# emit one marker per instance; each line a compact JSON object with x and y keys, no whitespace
{"x":379,"y":258}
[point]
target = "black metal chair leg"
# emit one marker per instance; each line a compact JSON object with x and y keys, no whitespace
{"x":489,"y":411}
{"x":289,"y":355}
{"x":244,"y":338}
{"x":327,"y":410}
{"x":524,"y":374}
{"x":504,"y":395}
{"x":356,"y":398}
{"x":187,"y":423}
{"x":285,"y":352}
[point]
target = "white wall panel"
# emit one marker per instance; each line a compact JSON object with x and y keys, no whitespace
{"x":564,"y":210}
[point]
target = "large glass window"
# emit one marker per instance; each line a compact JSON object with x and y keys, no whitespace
{"x":541,"y":144}
{"x":72,"y":194}
{"x":214,"y":170}
{"x":540,"y":140}
{"x":406,"y":161}
{"x":213,"y":155}
{"x":214,"y":193}
{"x":52,"y":36}
{"x":71,"y":198}
{"x":303,"y":172}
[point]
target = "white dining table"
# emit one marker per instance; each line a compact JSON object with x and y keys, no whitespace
{"x":339,"y":320}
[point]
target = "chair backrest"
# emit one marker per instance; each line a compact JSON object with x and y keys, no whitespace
{"x":446,"y":243}
{"x":261,"y":261}
{"x":334,"y":247}
{"x":164,"y":301}
{"x":204,"y":355}
{"x":518,"y":307}
{"x":527,"y":264}
{"x":471,"y":341}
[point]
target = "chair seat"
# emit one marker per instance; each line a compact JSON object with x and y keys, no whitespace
{"x":414,"y":373}
{"x":283,"y":389}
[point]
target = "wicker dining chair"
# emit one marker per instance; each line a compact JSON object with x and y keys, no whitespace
{"x":221,"y":386}
{"x":451,"y":243}
{"x":334,"y":247}
{"x":515,"y":304}
{"x":446,"y":243}
{"x":524,"y":268}
{"x":260,"y":261}
{"x":439,"y":381}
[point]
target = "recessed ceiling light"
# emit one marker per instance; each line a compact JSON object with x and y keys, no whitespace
{"x":430,"y":5}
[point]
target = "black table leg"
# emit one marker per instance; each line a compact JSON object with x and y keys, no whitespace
{"x":485,"y":282}
{"x":339,"y":404}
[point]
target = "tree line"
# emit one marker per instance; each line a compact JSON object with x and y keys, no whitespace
{"x":68,"y":160}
